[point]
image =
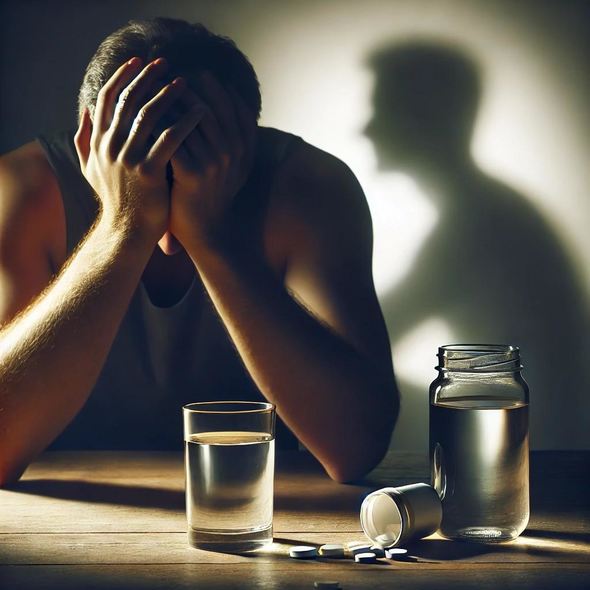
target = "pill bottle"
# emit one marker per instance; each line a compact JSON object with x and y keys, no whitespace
{"x":479,"y":442}
{"x":391,"y":517}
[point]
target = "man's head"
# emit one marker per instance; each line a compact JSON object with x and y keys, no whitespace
{"x":189,"y":49}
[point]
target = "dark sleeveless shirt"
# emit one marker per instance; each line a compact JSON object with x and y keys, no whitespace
{"x":162,"y":357}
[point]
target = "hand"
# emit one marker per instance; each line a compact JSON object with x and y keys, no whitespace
{"x":118,"y":157}
{"x":212,"y":164}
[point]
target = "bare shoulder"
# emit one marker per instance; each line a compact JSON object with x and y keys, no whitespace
{"x":31,"y":204}
{"x":313,"y":170}
{"x":26,"y":170}
{"x":316,"y":196}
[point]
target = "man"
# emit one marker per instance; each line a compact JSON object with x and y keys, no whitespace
{"x":261,"y":284}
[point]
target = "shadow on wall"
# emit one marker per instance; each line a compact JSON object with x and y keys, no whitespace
{"x":492,"y":268}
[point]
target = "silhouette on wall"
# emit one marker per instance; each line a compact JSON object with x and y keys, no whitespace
{"x":492,"y":268}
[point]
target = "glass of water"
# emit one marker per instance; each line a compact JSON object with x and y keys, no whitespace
{"x":229,"y":472}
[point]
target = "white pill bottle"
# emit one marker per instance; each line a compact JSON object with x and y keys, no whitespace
{"x":479,"y":442}
{"x":393,"y":517}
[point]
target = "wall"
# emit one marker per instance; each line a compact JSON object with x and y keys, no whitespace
{"x":441,"y":275}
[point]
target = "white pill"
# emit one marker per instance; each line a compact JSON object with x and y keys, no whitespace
{"x":396,"y":553}
{"x":367,"y":557}
{"x":333,"y":550}
{"x":303,"y":552}
{"x":378,"y":551}
{"x":328,"y":584}
{"x":356,"y":549}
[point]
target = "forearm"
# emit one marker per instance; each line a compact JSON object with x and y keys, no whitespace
{"x":52,"y":353}
{"x":339,"y":403}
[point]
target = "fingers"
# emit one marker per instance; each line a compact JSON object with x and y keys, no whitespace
{"x":209,"y":126}
{"x":107,"y":96}
{"x":171,"y":139}
{"x":213,"y":136}
{"x":221,"y":104}
{"x":248,"y":126}
{"x":209,"y":143}
{"x":149,"y":118}
{"x":196,"y":149}
{"x":183,"y":161}
{"x":82,"y":139}
{"x":132,"y":99}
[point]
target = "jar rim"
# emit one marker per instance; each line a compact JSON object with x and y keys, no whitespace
{"x":478,"y":348}
{"x":479,"y":358}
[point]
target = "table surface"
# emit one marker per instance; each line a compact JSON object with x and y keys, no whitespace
{"x":116,"y":520}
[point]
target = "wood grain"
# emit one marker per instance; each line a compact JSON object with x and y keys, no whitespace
{"x":98,"y":520}
{"x":279,"y":577}
{"x":134,"y":548}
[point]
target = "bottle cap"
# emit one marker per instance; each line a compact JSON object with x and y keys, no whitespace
{"x":394,"y":516}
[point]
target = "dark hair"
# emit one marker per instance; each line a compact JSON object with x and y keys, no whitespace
{"x":189,"y":48}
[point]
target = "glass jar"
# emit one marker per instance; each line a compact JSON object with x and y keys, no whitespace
{"x":479,"y":442}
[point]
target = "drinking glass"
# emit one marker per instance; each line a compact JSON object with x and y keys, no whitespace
{"x":229,"y":472}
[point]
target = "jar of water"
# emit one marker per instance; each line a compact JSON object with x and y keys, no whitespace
{"x":479,"y":443}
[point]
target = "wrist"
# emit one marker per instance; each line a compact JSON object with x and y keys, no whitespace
{"x":125,"y":233}
{"x":200,"y":241}
{"x":209,"y":254}
{"x":129,"y":229}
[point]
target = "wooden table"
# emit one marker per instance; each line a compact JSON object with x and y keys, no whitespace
{"x":116,"y":520}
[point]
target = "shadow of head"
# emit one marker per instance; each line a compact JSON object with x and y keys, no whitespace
{"x":425,"y":100}
{"x":493,"y":268}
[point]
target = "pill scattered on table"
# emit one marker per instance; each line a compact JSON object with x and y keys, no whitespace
{"x":303,"y":552}
{"x":367,"y":557}
{"x":356,"y":549}
{"x":378,"y":551}
{"x":328,"y":584}
{"x":333,"y":550}
{"x":396,"y":553}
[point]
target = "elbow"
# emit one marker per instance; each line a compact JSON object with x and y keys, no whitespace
{"x":10,"y":474}
{"x":12,"y":463}
{"x":344,"y":473}
{"x":367,"y":451}
{"x":350,"y":469}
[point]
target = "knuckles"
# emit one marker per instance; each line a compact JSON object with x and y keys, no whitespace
{"x":140,"y":168}
{"x":143,"y":114}
{"x":124,"y":97}
{"x":124,"y":160}
{"x":105,"y":92}
{"x":145,"y":168}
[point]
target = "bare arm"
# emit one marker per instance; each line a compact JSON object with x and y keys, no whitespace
{"x":319,"y":352}
{"x":317,"y":346}
{"x":52,"y":352}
